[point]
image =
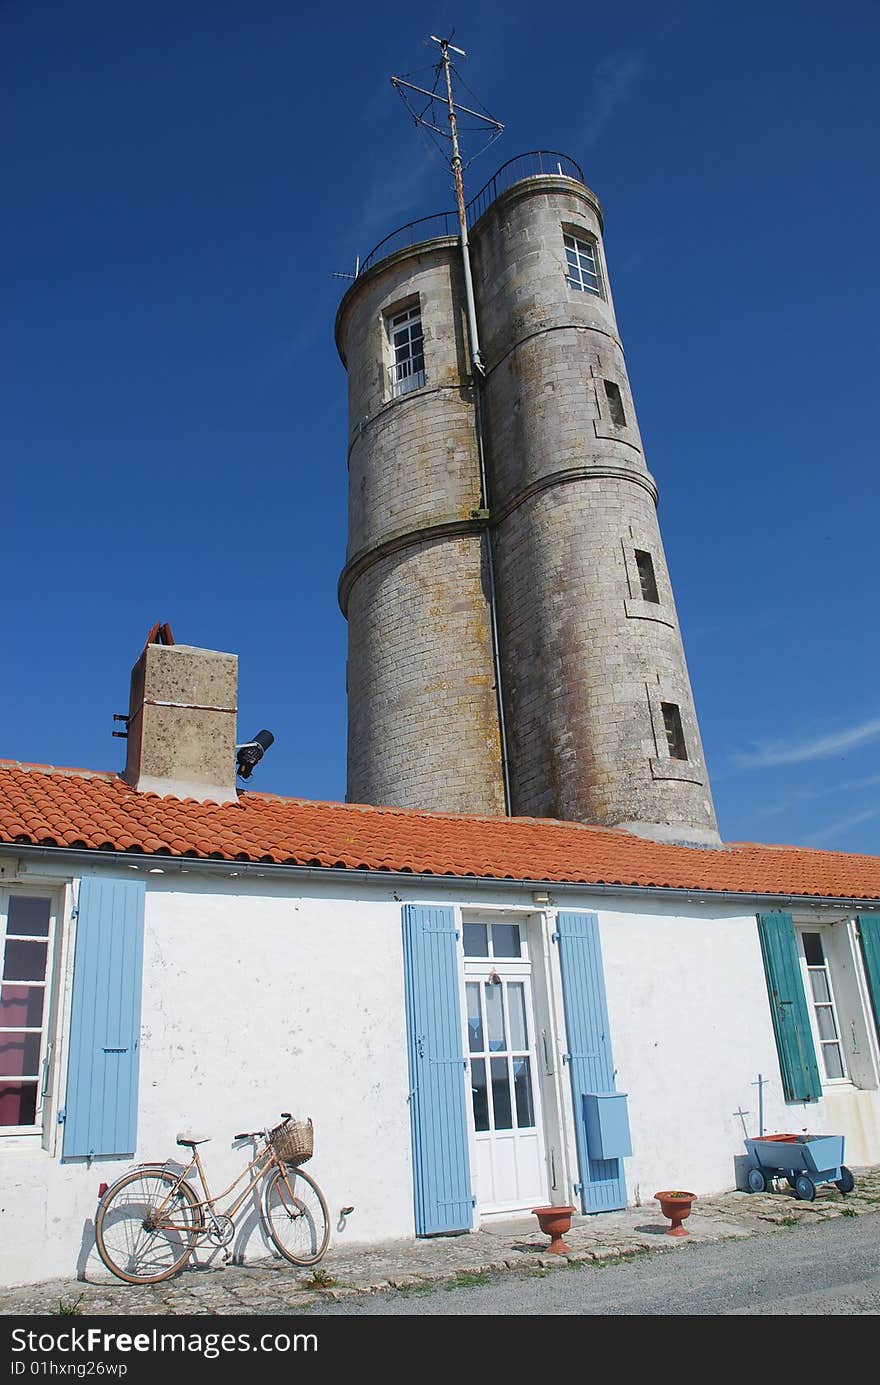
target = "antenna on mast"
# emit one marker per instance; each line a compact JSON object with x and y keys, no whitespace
{"x":343,"y":274}
{"x":454,"y":109}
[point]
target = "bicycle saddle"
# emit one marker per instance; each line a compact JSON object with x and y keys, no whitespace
{"x":192,"y":1140}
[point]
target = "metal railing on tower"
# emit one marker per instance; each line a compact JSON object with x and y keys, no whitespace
{"x":535,"y":164}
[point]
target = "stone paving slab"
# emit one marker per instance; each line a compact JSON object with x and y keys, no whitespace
{"x":270,"y":1287}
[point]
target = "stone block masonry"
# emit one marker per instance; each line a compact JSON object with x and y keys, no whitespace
{"x":423,"y":727}
{"x":423,"y":720}
{"x":599,"y":713}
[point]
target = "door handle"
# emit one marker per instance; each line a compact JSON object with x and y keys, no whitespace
{"x":47,"y":1068}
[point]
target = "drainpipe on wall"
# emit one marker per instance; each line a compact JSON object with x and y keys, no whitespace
{"x":493,"y":611}
{"x":479,"y":373}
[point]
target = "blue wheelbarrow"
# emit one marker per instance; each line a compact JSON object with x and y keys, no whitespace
{"x":802,"y":1160}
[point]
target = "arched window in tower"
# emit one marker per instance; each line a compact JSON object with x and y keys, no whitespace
{"x":582,"y":263}
{"x":407,"y":369}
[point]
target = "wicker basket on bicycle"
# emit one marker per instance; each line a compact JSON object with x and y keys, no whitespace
{"x":293,"y":1142}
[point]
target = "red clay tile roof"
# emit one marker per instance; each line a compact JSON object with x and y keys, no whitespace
{"x":44,"y":806}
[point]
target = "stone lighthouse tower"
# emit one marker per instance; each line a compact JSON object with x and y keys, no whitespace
{"x":513,"y":638}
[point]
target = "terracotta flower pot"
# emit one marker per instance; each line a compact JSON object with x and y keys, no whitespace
{"x":676,"y":1205}
{"x":554,"y":1222}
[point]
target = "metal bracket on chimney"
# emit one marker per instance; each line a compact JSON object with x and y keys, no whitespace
{"x":117,"y":716}
{"x":187,"y":706}
{"x":160,"y":634}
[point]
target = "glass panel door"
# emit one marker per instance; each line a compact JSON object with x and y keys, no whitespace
{"x":505,"y":1108}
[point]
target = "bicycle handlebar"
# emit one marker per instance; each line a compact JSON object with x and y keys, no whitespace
{"x":252,"y":1134}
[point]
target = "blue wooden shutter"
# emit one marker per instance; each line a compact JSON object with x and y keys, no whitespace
{"x":102,"y":1070}
{"x":788,"y":1007}
{"x":869,"y":936}
{"x":602,"y":1186}
{"x":441,"y":1166}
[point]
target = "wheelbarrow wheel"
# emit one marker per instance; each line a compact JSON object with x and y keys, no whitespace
{"x":804,"y":1188}
{"x":845,"y":1183}
{"x":757,"y":1181}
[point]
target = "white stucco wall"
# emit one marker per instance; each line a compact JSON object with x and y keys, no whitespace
{"x":254,"y":1002}
{"x":299,"y":1009}
{"x":691,"y":1031}
{"x":270,"y":994}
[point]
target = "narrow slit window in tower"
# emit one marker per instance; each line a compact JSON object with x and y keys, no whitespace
{"x":583,"y":267}
{"x":647,"y":578}
{"x":674,"y":730}
{"x":407,"y":370}
{"x":615,"y":403}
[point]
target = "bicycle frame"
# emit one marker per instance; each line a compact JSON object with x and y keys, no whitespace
{"x":150,"y":1220}
{"x":262,"y":1161}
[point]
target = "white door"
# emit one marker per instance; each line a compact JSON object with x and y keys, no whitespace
{"x":509,"y":1158}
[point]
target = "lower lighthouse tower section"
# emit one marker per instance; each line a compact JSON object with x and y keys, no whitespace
{"x":423,"y":727}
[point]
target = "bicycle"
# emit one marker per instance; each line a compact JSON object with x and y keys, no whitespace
{"x":150,"y":1220}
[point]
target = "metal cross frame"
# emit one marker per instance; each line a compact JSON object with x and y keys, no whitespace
{"x":454,"y":109}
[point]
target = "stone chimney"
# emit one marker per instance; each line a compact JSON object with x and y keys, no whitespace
{"x":182,"y":721}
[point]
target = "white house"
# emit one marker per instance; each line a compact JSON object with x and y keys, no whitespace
{"x":480,"y":1014}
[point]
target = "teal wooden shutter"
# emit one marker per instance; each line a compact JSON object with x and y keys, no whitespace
{"x":788,"y":1007}
{"x":102,"y":1070}
{"x":603,"y":1185}
{"x":438,"y":1119}
{"x":869,"y":937}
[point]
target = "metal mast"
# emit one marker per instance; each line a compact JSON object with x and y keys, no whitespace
{"x":457,"y":172}
{"x":444,"y":67}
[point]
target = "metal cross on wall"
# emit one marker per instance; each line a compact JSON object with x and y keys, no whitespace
{"x":761,"y":1083}
{"x":742,"y":1115}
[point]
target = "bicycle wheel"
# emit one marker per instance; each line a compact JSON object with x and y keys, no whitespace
{"x":146,"y":1227}
{"x":295,"y":1215}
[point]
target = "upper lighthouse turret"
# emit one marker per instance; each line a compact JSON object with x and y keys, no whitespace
{"x":514,"y":644}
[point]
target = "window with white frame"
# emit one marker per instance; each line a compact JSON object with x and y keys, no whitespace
{"x":823,"y":1007}
{"x":407,"y":369}
{"x":502,"y":939}
{"x":582,"y":264}
{"x":28,"y":927}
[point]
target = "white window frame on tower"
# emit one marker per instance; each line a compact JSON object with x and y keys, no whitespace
{"x":407,"y":345}
{"x":583,"y":270}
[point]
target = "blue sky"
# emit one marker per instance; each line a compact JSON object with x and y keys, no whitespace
{"x":180,"y":182}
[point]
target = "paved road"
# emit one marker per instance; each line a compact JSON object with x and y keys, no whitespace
{"x":832,"y":1269}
